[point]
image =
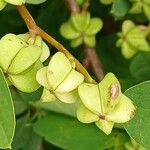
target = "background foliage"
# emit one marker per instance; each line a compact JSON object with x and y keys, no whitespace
{"x":58,"y":129}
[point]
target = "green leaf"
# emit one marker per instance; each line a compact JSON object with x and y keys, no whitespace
{"x":59,"y":107}
{"x":25,"y":138}
{"x":7,"y":115}
{"x":34,"y":96}
{"x":138,"y":127}
{"x":140,"y":66}
{"x":68,"y":133}
{"x":126,"y":83}
{"x":114,"y":62}
{"x":19,"y":103}
{"x":120,"y":8}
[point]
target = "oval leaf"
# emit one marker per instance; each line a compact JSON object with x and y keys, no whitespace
{"x":138,"y":127}
{"x":7,"y":115}
{"x":71,"y":134}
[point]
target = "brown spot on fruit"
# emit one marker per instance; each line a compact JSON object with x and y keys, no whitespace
{"x":50,"y":72}
{"x":114,"y":90}
{"x":102,"y":117}
{"x":132,"y":114}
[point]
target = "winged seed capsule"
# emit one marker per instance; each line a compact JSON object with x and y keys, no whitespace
{"x":60,"y":80}
{"x":104,"y":104}
{"x":20,"y":60}
{"x":140,"y":6}
{"x":81,"y":28}
{"x":133,"y":39}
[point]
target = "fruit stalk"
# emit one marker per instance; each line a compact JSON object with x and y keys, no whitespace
{"x":35,"y":30}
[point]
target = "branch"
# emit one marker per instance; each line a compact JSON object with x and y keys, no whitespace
{"x":86,"y":5}
{"x":28,"y":20}
{"x":91,"y":59}
{"x":72,"y":6}
{"x":34,"y":29}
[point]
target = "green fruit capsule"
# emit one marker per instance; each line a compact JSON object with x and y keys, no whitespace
{"x":16,"y":2}
{"x":133,"y":39}
{"x":81,"y":28}
{"x":21,"y":56}
{"x":104,"y":104}
{"x":60,"y":81}
{"x":55,"y":74}
{"x":38,"y":42}
{"x":26,"y":57}
{"x":10,"y":45}
{"x":140,"y":7}
{"x":80,"y":21}
{"x":2,"y":4}
{"x":26,"y":82}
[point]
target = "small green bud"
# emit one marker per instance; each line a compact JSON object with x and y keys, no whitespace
{"x":81,"y":28}
{"x":60,"y":79}
{"x":133,"y":39}
{"x":20,"y":59}
{"x":140,"y":6}
{"x":104,"y":104}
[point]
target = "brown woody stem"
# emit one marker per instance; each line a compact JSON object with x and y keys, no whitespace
{"x":86,"y":5}
{"x":72,"y":6}
{"x":35,"y":30}
{"x":91,"y":59}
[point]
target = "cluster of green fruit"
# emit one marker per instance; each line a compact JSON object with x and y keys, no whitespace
{"x":21,"y":58}
{"x":81,"y":28}
{"x":102,"y":103}
{"x":133,"y":39}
